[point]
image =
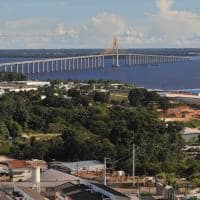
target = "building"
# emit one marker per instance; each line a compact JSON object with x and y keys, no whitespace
{"x":68,"y":86}
{"x":17,"y":86}
{"x":56,"y":185}
{"x":28,"y":193}
{"x":76,"y":188}
{"x":73,"y":192}
{"x":190,"y":133}
{"x":79,"y":166}
{"x":108,"y":192}
{"x":34,"y":83}
{"x":21,"y":170}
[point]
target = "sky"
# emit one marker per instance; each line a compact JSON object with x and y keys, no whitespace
{"x":34,"y":24}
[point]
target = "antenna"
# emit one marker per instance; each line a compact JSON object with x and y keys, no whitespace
{"x":133,"y":165}
{"x":105,"y":169}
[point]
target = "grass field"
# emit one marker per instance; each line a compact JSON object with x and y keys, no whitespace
{"x":42,"y":136}
{"x":193,"y":123}
{"x":119,"y":96}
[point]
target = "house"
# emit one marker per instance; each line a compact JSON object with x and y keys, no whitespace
{"x":74,"y":192}
{"x":62,"y":186}
{"x":21,"y":170}
{"x":108,"y":192}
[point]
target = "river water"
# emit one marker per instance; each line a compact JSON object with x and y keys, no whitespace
{"x":183,"y":75}
{"x":165,"y":76}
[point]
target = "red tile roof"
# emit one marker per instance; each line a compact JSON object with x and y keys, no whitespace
{"x":18,"y":164}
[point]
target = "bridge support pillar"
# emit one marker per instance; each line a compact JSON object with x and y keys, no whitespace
{"x":38,"y":67}
{"x":43,"y":67}
{"x":47,"y":66}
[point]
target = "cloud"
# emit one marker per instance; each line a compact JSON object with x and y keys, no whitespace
{"x":109,"y":23}
{"x":166,"y":27}
{"x":134,"y":38}
{"x":102,"y":28}
{"x":164,"y":5}
{"x":13,"y":24}
{"x":177,"y":27}
{"x":61,"y":30}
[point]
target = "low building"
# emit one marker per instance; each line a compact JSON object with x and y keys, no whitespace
{"x":28,"y":193}
{"x":76,"y":188}
{"x":21,"y":170}
{"x":74,"y":192}
{"x":79,"y":166}
{"x":190,"y":133}
{"x":17,"y":86}
{"x":21,"y":193}
{"x":6,"y":196}
{"x":69,"y":86}
{"x":61,"y":186}
{"x":35,"y":83}
{"x":108,"y":192}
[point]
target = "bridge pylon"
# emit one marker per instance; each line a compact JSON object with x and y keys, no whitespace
{"x":115,"y":51}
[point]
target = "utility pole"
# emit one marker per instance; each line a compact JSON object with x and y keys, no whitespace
{"x":133,"y":165}
{"x":77,"y":168}
{"x":105,"y":169}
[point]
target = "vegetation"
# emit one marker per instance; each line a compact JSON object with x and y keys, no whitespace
{"x":142,"y":97}
{"x":88,"y":126}
{"x":193,"y":123}
{"x":12,"y":77}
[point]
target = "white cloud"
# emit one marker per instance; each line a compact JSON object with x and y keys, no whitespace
{"x":134,"y":38}
{"x":108,"y":23}
{"x":165,"y":28}
{"x":104,"y":26}
{"x":178,"y":27}
{"x":61,"y":30}
{"x":164,"y":5}
{"x":13,"y":24}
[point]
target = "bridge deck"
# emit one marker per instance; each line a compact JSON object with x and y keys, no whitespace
{"x":85,"y":62}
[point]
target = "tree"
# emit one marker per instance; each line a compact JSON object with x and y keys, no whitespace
{"x":199,"y":138}
{"x":4,"y":132}
{"x":164,"y":103}
{"x":142,"y":97}
{"x":74,"y":93}
{"x":15,"y":130}
{"x":101,"y":97}
{"x":137,"y":96}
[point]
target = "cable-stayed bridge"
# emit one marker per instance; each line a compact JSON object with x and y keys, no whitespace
{"x":79,"y":63}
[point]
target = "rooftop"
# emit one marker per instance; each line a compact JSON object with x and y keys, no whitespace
{"x":79,"y":192}
{"x":110,"y":190}
{"x":32,"y":193}
{"x":191,"y":131}
{"x":80,"y":164}
{"x":22,"y":164}
{"x":54,"y":175}
{"x":5,"y":196}
{"x":17,"y":164}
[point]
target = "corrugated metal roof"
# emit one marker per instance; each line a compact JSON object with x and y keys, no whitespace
{"x":110,"y":190}
{"x":54,"y":175}
{"x":80,"y":164}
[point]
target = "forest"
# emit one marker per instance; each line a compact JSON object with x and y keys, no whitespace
{"x":88,"y":125}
